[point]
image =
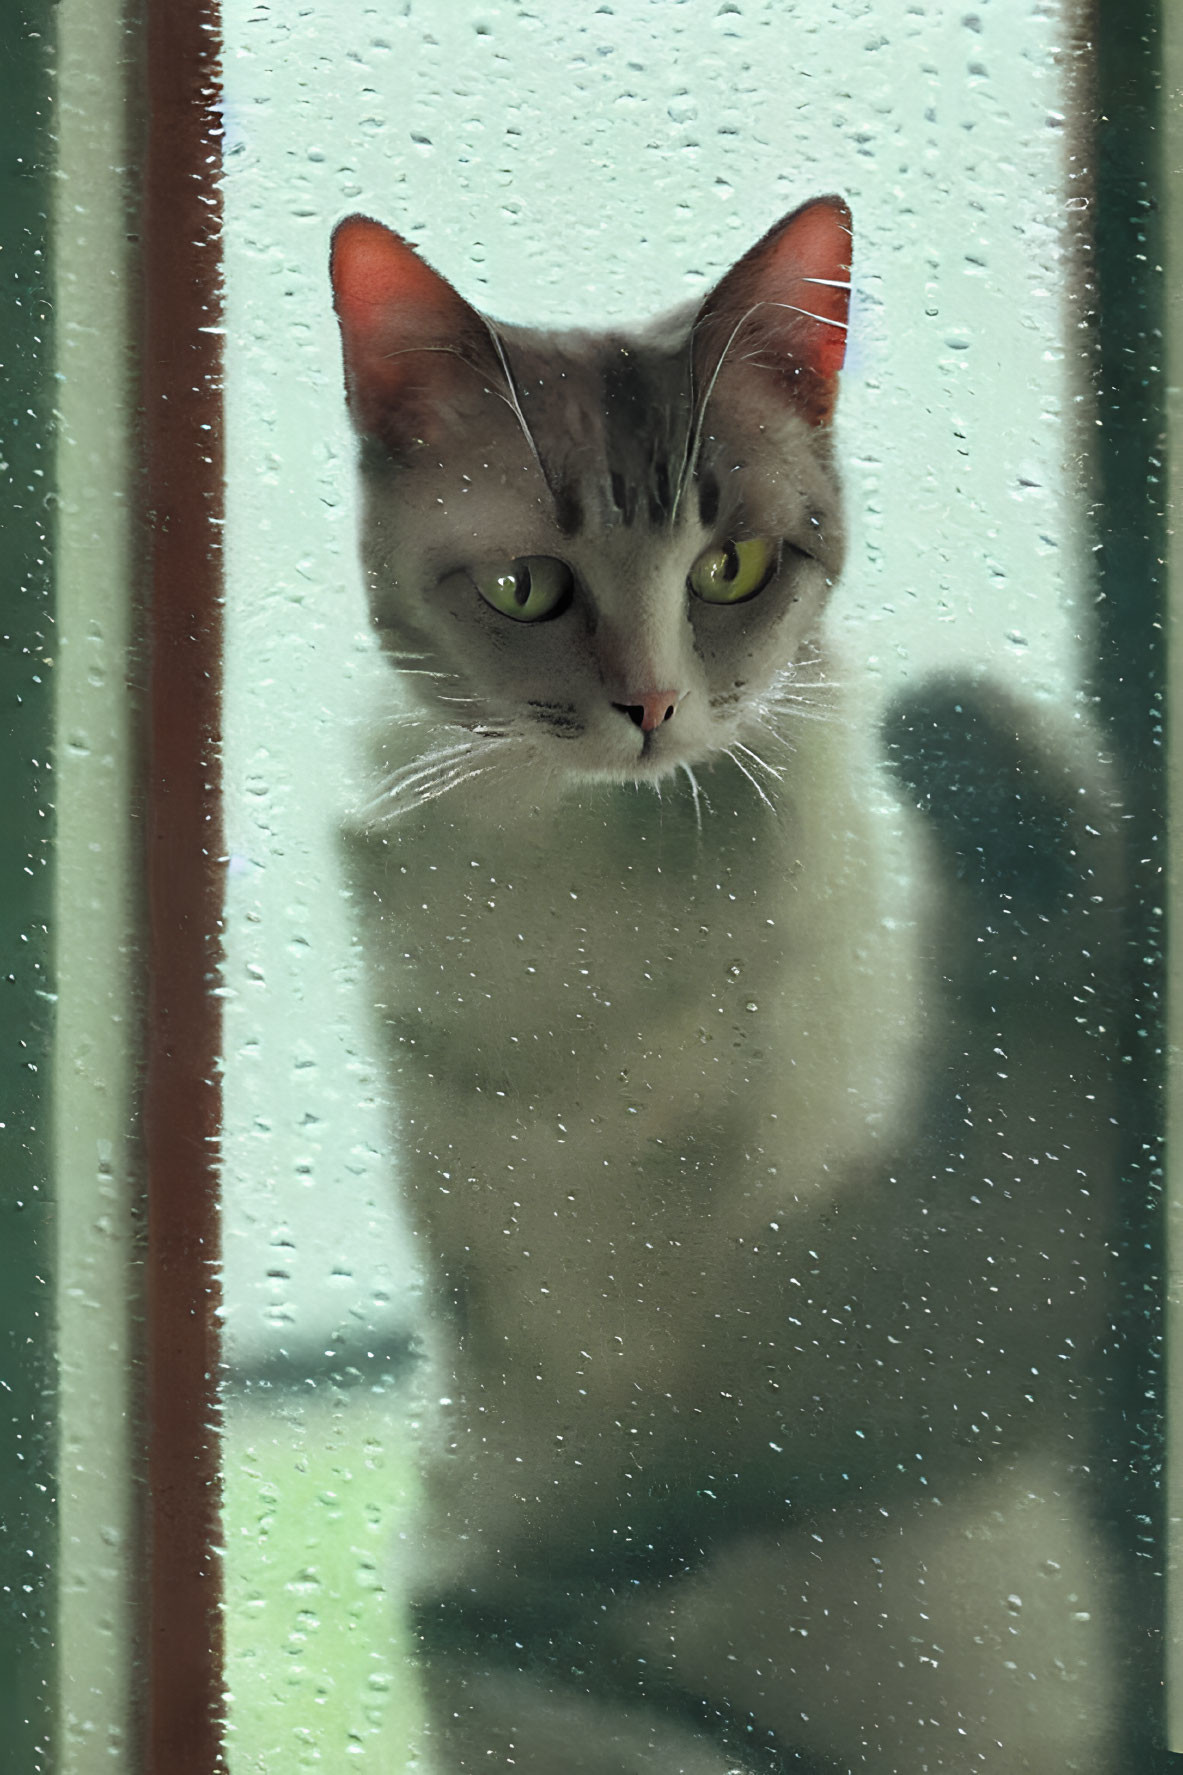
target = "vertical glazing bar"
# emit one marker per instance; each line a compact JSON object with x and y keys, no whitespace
{"x":1130,"y":535}
{"x":26,"y":830}
{"x":1172,"y":81}
{"x":183,"y":504}
{"x":96,"y":910}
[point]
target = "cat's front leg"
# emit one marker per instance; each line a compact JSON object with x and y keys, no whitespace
{"x":972,"y":1631}
{"x":483,"y":1714}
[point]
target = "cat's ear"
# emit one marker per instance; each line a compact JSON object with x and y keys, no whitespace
{"x":412,"y":346}
{"x":783,"y":309}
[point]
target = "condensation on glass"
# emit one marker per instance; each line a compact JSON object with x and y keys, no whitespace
{"x":593,"y":171}
{"x":963,"y":432}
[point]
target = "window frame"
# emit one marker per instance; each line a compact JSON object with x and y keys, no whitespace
{"x":173,"y":1675}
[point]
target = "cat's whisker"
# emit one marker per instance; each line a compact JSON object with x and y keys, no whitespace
{"x":513,"y":400}
{"x":809,"y":314}
{"x":427,"y":766}
{"x":802,"y":705}
{"x":439,"y":754}
{"x":800,"y":709}
{"x":790,"y":746}
{"x":768,"y":725}
{"x":762,"y":762}
{"x":424,"y":793}
{"x":812,"y":654}
{"x":430,"y":767}
{"x":806,"y":689}
{"x":410,"y":714}
{"x":694,"y":438}
{"x":427,"y":778}
{"x":433,"y":793}
{"x":694,"y":435}
{"x":697,"y":794}
{"x":809,"y":698}
{"x":382,"y":804}
{"x":741,"y":766}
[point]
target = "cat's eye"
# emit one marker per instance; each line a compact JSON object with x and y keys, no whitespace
{"x":529,"y":589}
{"x":735,"y":570}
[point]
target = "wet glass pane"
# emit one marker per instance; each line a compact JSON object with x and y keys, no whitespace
{"x":688,"y":766}
{"x":677,"y":897}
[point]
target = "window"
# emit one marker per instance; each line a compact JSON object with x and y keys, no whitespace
{"x":999,"y":436}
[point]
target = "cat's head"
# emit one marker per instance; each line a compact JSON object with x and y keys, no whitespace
{"x":601,"y":554}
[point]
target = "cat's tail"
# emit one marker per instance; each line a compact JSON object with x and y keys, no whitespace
{"x":1021,"y":800}
{"x":953,"y":1296}
{"x":1020,"y":1155}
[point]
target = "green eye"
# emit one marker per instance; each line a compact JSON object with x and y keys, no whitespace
{"x":529,"y":589}
{"x":736,"y":571}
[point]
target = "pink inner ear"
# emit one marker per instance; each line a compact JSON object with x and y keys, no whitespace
{"x":784,"y":307}
{"x":808,"y":268}
{"x":403,"y":327}
{"x":378,"y":278}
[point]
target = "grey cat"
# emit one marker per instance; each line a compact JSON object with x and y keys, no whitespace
{"x":754,"y":1126}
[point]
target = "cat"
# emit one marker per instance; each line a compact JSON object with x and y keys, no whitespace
{"x":753,"y":1093}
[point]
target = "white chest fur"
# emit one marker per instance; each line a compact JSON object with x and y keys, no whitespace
{"x":638,"y":1048}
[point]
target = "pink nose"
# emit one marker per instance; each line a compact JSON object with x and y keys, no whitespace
{"x":650,"y":709}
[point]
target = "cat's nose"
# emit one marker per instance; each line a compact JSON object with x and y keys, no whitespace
{"x":651,"y":709}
